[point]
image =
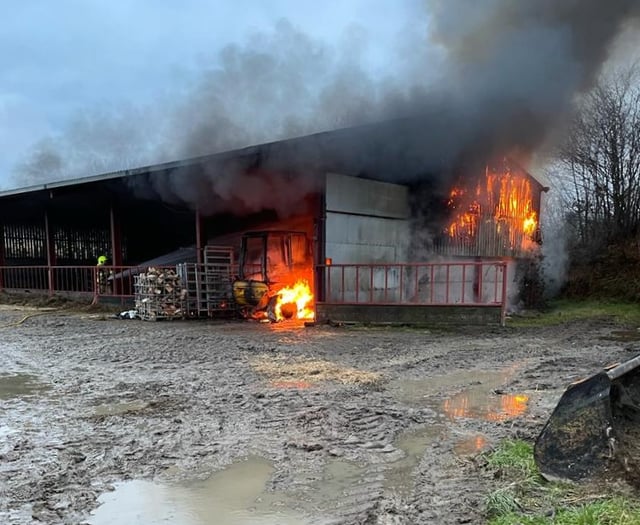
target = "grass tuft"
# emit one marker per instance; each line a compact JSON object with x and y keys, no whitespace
{"x":502,"y":501}
{"x":525,"y":498}
{"x":610,"y":511}
{"x":514,"y":457}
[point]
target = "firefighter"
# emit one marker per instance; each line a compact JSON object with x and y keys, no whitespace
{"x":102,"y":275}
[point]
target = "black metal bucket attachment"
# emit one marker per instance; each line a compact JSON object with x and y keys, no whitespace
{"x":594,"y":430}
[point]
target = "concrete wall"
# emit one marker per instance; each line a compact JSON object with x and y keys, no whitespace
{"x":410,"y":315}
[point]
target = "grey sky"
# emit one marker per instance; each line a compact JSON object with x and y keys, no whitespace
{"x":88,"y":86}
{"x":64,"y":57}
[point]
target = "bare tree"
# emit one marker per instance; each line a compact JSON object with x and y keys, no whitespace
{"x":602,"y":159}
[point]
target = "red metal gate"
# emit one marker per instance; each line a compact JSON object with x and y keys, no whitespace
{"x":453,"y":283}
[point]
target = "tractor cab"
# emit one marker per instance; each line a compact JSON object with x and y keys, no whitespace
{"x":271,"y":260}
{"x":273,"y":257}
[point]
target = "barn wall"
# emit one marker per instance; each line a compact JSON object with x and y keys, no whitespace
{"x":365,"y":221}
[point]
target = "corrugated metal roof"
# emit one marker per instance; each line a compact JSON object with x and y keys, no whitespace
{"x":340,"y":142}
{"x":236,"y":153}
{"x":127,"y":172}
{"x":377,"y":149}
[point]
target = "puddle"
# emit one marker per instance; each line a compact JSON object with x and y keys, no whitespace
{"x":418,"y":390}
{"x":118,"y":409}
{"x":413,"y":443}
{"x":471,"y":445}
{"x":476,"y":399}
{"x":339,"y":477}
{"x":481,"y":403}
{"x":20,"y":385}
{"x":234,"y":496}
{"x":350,"y":484}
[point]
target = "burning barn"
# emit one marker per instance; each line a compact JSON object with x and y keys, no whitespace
{"x":343,"y":225}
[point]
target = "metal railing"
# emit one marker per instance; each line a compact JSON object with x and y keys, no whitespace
{"x":454,"y":283}
{"x":90,"y":281}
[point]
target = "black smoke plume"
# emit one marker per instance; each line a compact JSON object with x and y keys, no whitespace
{"x":473,"y":78}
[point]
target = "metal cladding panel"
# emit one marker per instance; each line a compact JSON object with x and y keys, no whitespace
{"x":366,"y":221}
{"x":366,"y":197}
{"x":362,"y":239}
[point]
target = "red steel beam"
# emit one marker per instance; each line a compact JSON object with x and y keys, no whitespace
{"x":115,"y":228}
{"x":199,"y":228}
{"x":503,"y":316}
{"x":2,"y":256}
{"x":477,"y":281}
{"x":116,"y":236}
{"x":51,"y":251}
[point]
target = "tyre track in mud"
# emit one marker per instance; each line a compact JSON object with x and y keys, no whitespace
{"x":131,"y":400}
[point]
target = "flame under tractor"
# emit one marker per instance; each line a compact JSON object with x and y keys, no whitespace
{"x":269,"y":261}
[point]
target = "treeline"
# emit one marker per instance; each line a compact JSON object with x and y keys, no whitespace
{"x":599,"y":168}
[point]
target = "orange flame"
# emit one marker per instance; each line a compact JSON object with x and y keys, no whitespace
{"x":295,"y":302}
{"x":503,"y":200}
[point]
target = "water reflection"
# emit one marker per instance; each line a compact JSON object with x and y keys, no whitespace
{"x":418,"y":390}
{"x":482,"y":405}
{"x":471,"y":445}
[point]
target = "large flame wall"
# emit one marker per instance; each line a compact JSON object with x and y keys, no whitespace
{"x":495,"y":216}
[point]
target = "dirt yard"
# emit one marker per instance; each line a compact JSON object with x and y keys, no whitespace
{"x":112,"y":421}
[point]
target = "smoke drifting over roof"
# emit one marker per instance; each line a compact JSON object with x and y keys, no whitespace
{"x":513,"y":68}
{"x":508,"y":73}
{"x":481,"y":77}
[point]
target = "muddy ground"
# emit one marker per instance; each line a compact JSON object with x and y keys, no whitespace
{"x":333,"y":424}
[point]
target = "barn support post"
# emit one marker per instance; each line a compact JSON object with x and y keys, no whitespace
{"x":116,"y":236}
{"x":2,"y":256}
{"x":51,"y":251}
{"x":503,"y":309}
{"x":199,"y":228}
{"x":116,"y":245}
{"x":319,"y":248}
{"x":477,"y":280}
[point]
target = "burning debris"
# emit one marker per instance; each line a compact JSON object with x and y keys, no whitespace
{"x":295,"y":302}
{"x":291,"y":302}
{"x":158,"y":294}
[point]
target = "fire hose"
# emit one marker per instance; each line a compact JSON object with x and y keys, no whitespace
{"x":18,"y":323}
{"x":29,"y":316}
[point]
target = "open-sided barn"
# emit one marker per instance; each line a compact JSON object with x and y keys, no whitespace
{"x":379,"y":231}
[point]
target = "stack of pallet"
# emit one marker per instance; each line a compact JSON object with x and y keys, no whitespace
{"x":158,"y":294}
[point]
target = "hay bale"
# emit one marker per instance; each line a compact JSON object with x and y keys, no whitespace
{"x":283,"y":369}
